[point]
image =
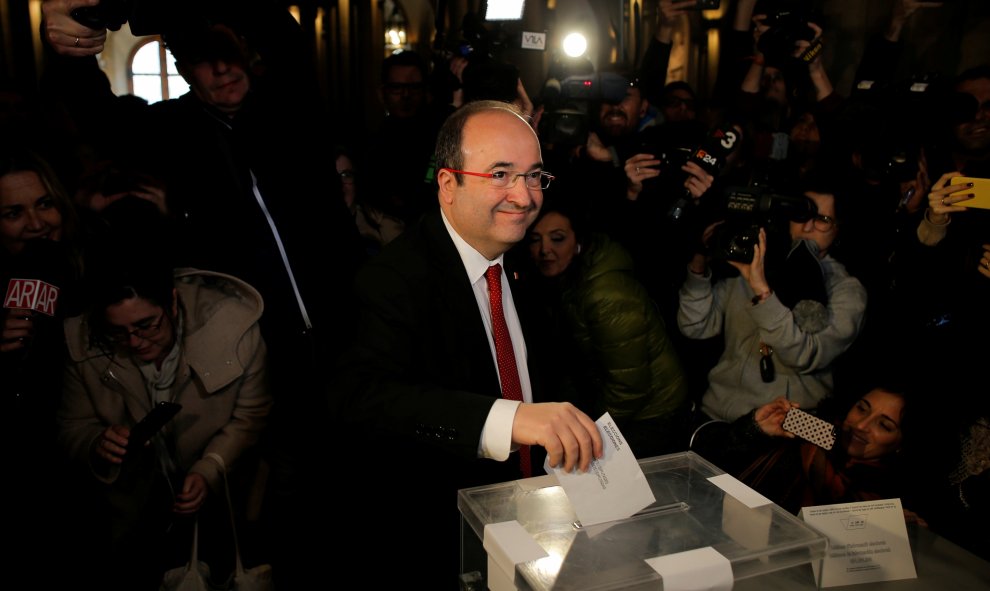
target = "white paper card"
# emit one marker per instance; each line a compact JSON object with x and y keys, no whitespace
{"x":701,"y":569}
{"x":510,"y":543}
{"x":867,"y":542}
{"x":614,"y":487}
{"x":739,"y":491}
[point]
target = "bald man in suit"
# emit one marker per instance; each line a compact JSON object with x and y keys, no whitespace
{"x":422,"y":386}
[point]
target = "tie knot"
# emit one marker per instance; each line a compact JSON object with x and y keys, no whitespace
{"x":494,"y":276}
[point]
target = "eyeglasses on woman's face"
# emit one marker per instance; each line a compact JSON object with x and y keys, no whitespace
{"x":146,"y":329}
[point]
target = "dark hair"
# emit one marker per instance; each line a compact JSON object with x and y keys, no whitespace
{"x":107,"y":289}
{"x":562,"y":203}
{"x":974,"y":73}
{"x":678,"y":85}
{"x":404,"y":58}
{"x":451,"y":135}
{"x":822,"y":180}
{"x":118,"y":271}
{"x":206,"y":43}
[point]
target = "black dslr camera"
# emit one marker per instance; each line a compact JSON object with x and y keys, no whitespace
{"x":750,"y":208}
{"x":788,"y":21}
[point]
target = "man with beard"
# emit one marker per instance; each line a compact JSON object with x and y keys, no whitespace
{"x":619,"y":122}
{"x":620,"y":156}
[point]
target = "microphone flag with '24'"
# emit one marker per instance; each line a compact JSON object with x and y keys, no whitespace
{"x":710,"y":156}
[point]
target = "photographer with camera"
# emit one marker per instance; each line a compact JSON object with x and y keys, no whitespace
{"x":785,"y":93}
{"x":785,"y":319}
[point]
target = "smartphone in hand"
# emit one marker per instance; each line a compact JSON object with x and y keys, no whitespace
{"x":980,"y":191}
{"x":152,"y":423}
{"x":810,"y":428}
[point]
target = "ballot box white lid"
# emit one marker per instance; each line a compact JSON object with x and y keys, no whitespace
{"x":690,"y":513}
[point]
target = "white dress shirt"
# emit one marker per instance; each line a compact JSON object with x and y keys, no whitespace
{"x":496,"y":436}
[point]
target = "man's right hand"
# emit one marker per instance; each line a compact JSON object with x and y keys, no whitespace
{"x":65,"y":35}
{"x":570,"y":437}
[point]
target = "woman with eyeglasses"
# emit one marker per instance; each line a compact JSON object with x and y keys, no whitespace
{"x":151,"y":335}
{"x":784,"y":323}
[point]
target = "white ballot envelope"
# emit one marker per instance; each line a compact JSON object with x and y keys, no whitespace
{"x":867,"y":542}
{"x":613,"y":488}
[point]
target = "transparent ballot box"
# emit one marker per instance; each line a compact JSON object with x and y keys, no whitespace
{"x":690,"y":514}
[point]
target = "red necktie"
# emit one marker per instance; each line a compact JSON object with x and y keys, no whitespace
{"x":507,"y":370}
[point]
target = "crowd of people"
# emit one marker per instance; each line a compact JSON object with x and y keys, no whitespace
{"x":359,"y":344}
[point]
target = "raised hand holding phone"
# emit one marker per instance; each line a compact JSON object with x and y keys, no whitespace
{"x":979,"y":190}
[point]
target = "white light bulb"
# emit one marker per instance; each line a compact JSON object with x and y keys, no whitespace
{"x":575,"y":45}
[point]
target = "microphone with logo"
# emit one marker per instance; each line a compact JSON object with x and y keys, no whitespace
{"x":33,"y":296}
{"x":710,"y":156}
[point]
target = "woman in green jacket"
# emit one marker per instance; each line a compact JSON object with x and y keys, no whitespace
{"x":618,"y":351}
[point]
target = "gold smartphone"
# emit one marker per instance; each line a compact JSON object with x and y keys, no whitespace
{"x":980,"y":191}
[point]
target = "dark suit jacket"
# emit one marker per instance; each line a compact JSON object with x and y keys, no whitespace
{"x":415,"y":389}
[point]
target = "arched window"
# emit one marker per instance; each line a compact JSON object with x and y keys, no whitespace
{"x":153,"y":75}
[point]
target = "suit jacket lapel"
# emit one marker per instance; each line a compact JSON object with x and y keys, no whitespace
{"x":467,"y":330}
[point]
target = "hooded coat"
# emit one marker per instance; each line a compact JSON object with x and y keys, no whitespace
{"x":220,"y":383}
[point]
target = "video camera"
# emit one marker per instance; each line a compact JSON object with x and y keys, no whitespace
{"x":788,"y":21}
{"x":750,"y":208}
{"x":571,"y":103}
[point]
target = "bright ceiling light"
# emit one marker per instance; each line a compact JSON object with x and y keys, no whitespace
{"x":575,"y":45}
{"x":505,"y":10}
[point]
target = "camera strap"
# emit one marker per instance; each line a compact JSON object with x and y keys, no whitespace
{"x":812,"y":52}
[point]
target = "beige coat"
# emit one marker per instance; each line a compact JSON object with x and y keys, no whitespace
{"x":220,"y":381}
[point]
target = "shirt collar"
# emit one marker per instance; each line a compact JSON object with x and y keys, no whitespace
{"x":475,"y":263}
